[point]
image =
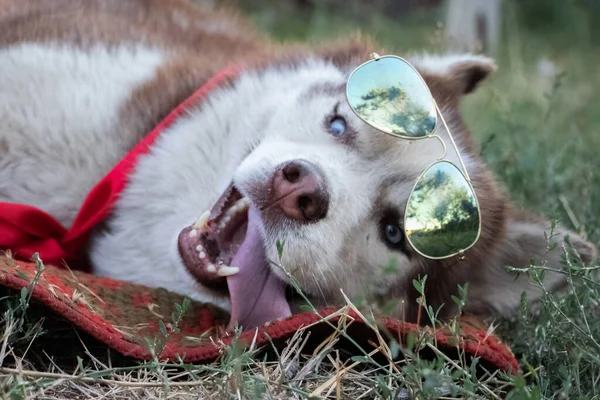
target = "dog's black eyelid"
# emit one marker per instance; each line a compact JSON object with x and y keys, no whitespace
{"x":337,"y":116}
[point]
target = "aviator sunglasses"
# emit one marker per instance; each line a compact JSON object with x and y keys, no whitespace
{"x":442,"y":216}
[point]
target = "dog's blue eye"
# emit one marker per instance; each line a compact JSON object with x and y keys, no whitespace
{"x":393,"y":234}
{"x":337,"y":126}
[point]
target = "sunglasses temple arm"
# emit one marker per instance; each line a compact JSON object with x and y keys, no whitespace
{"x":452,"y":140}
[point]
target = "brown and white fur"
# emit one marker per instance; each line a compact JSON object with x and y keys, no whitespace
{"x":81,"y":82}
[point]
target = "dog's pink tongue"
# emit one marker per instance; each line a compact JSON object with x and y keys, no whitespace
{"x":257,"y":295}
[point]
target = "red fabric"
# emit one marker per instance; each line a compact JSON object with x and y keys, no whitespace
{"x":25,"y":229}
{"x":121,"y":314}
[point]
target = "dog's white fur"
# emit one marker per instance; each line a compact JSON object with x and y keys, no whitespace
{"x":60,"y":111}
{"x":59,"y":105}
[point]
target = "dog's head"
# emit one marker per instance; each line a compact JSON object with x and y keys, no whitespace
{"x":328,"y":194}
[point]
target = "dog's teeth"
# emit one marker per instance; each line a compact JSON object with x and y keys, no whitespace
{"x":193,"y":233}
{"x":202,"y":255}
{"x":199,"y":247}
{"x":232,"y":210}
{"x":211,"y":268}
{"x":226,"y":270}
{"x":224,"y":222}
{"x":202,"y":221}
{"x":242,"y":203}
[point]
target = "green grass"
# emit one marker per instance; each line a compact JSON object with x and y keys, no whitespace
{"x":541,"y":136}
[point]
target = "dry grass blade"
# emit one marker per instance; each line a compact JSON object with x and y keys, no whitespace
{"x":77,"y":378}
{"x":332,"y":381}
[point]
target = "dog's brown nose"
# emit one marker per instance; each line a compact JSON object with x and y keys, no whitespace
{"x":299,"y":190}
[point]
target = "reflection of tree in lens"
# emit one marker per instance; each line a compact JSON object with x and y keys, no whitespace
{"x":392,"y":108}
{"x":415,"y":122}
{"x":443,"y":213}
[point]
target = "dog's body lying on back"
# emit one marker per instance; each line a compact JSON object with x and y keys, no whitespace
{"x":82,"y":82}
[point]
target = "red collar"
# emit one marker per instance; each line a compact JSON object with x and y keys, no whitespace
{"x":25,"y":229}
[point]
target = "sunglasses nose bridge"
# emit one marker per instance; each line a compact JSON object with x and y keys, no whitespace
{"x":443,"y":147}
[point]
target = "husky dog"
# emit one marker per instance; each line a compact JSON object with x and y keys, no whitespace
{"x":271,"y":178}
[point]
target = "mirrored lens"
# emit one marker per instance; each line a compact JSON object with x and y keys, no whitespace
{"x":390,"y":95}
{"x":442,"y":215}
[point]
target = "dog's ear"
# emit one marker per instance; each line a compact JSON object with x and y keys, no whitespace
{"x":463,"y":72}
{"x":495,"y":290}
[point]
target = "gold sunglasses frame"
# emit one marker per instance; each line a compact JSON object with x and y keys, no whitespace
{"x":375,"y":58}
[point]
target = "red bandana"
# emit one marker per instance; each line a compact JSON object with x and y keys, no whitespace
{"x":26,"y":230}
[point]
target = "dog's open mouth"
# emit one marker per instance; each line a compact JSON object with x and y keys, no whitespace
{"x":224,"y":248}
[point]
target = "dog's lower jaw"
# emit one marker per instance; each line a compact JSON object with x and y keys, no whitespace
{"x":198,"y":291}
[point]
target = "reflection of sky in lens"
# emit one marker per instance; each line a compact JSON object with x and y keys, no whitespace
{"x":386,"y":75}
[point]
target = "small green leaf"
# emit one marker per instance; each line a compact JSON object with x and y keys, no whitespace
{"x":418,"y":286}
{"x":279,"y":245}
{"x":99,"y":374}
{"x":457,"y":374}
{"x":45,"y":382}
{"x":185,"y":305}
{"x":463,"y":290}
{"x":21,"y":275}
{"x":162,"y":327}
{"x":80,"y":365}
{"x":24,"y":292}
{"x":410,"y":341}
{"x":394,"y":349}
{"x":307,"y":308}
{"x":383,"y":387}
{"x":474,"y":363}
{"x":361,"y":359}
